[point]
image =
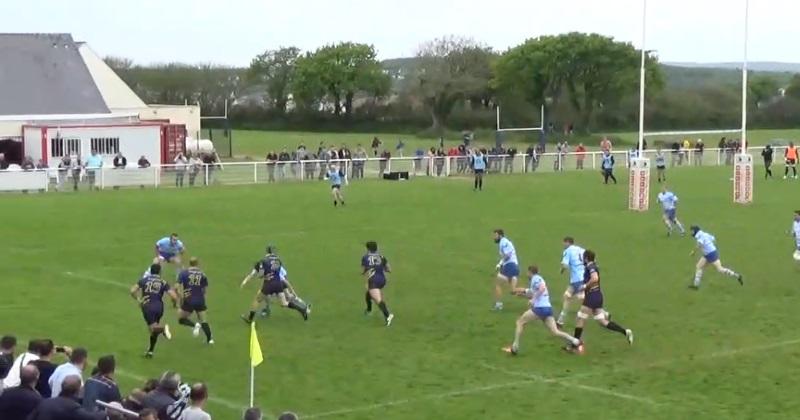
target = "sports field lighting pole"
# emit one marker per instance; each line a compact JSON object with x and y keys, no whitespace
{"x":639,"y":179}
{"x":743,"y":165}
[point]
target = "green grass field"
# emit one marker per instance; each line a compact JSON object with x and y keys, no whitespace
{"x":256,"y":144}
{"x":723,"y":352}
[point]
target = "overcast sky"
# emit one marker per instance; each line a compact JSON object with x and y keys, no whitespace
{"x":232,"y":32}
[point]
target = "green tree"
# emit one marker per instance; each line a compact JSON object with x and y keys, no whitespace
{"x":450,"y":70}
{"x":761,"y":88}
{"x":274,"y":70}
{"x":338,"y":72}
{"x":793,"y":90}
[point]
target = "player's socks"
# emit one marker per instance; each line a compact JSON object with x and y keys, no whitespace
{"x":697,"y":276}
{"x":335,"y":203}
{"x":680,"y":227}
{"x":186,"y":322}
{"x":480,"y":185}
{"x":476,"y":183}
{"x":498,"y":306}
{"x":613,"y":326}
{"x":207,"y":330}
{"x":153,"y":341}
{"x":298,"y":308}
{"x":368,"y":300}
{"x":578,"y":333}
{"x":384,"y":309}
{"x":251,"y":315}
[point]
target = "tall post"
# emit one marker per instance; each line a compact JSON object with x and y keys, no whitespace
{"x":743,"y":163}
{"x":252,"y":384}
{"x":639,"y":166}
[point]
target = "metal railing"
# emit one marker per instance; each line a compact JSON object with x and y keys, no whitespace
{"x":237,"y":173}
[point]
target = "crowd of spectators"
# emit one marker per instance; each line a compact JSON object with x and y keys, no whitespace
{"x":52,"y":382}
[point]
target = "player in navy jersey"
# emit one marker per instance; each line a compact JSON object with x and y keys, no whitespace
{"x":275,"y":283}
{"x":593,"y":302}
{"x":191,"y":286}
{"x":336,"y":176}
{"x":148,"y":293}
{"x":375,"y":267}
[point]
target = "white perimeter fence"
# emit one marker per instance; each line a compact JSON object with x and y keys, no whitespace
{"x":238,"y":173}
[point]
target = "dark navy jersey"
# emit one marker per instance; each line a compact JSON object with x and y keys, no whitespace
{"x":193,"y":282}
{"x":153,"y":289}
{"x":269,"y":268}
{"x":587,"y":275}
{"x":374,"y":266}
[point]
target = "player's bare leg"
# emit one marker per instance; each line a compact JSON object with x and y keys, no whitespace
{"x":728,"y":272}
{"x":183,"y":319}
{"x":526,"y":317}
{"x":377,"y":296}
{"x":550,"y":323}
{"x":257,"y":300}
{"x":287,"y":303}
{"x":500,"y":280}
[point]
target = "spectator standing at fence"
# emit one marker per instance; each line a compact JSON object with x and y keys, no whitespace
{"x":283,"y":160}
{"x":699,"y":148}
{"x":180,"y":169}
{"x":47,"y":350}
{"x":195,"y":164}
{"x":272,"y":160}
{"x":605,"y":145}
{"x":40,"y":165}
{"x":557,"y":158}
{"x":661,"y":165}
{"x":419,"y":155}
{"x":30,"y":355}
{"x":359,"y":160}
{"x":198,"y":396}
{"x":18,"y":402}
{"x":676,"y":148}
{"x":3,"y":162}
{"x":385,"y":156}
{"x":120,"y":162}
{"x":101,"y":386}
{"x":440,"y":157}
{"x":580,"y":155}
{"x":511,"y":155}
{"x":94,"y":164}
{"x":530,"y":152}
{"x":143,"y":162}
{"x":75,"y":366}
{"x":345,"y":156}
{"x":27,"y":164}
{"x":607,"y":165}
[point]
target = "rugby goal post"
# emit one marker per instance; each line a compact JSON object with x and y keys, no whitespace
{"x":743,"y":162}
{"x":501,"y":129}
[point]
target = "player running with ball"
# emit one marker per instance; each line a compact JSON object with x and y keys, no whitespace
{"x":669,"y":202}
{"x":706,"y":242}
{"x":541,"y":309}
{"x":507,"y":268}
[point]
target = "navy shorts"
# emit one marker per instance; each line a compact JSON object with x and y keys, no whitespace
{"x":543,"y":312}
{"x":336,"y":187}
{"x":510,"y":270}
{"x":661,"y":167}
{"x":167,"y":256}
{"x":273,"y":288}
{"x":711,"y":257}
{"x":152,"y":314}
{"x":670,"y":214}
{"x":480,"y":171}
{"x":193,"y":307}
{"x":376,"y":283}
{"x":593,"y":300}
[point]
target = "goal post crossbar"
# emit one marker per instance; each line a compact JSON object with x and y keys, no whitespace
{"x":539,"y":128}
{"x":687,"y":132}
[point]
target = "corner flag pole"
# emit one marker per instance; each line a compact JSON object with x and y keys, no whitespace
{"x":256,"y":358}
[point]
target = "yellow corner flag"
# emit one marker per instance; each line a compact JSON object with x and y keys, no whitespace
{"x":255,"y":349}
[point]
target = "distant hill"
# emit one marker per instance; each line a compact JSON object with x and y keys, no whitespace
{"x":677,"y":75}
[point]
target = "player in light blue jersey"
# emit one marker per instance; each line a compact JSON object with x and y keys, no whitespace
{"x":572,"y":260}
{"x":795,"y":232}
{"x":540,"y":309}
{"x":706,"y":243}
{"x":669,"y":203}
{"x":336,"y":177}
{"x":169,"y":249}
{"x":507,"y":268}
{"x":478,"y":167}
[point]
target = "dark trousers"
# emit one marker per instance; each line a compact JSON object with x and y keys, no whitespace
{"x":608,"y":173}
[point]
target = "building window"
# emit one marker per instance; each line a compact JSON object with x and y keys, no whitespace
{"x":60,"y":147}
{"x":106,"y":145}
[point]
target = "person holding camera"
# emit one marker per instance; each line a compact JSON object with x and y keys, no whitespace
{"x":47,"y":350}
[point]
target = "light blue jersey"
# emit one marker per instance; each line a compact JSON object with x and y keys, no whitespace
{"x":479,"y":162}
{"x":540,"y":297}
{"x":796,"y":233}
{"x":508,"y":254}
{"x":668,"y":200}
{"x":572,"y":258}
{"x":335,"y":177}
{"x":608,"y":161}
{"x":661,"y":161}
{"x":165,"y":246}
{"x":706,"y":242}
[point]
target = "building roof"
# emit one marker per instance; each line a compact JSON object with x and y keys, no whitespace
{"x":43,"y":74}
{"x":116,"y":93}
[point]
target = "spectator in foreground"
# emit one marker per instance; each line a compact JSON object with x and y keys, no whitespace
{"x":101,"y":387}
{"x":288,"y":415}
{"x":198,"y":397}
{"x":30,"y":355}
{"x":165,"y":393}
{"x":148,"y":414}
{"x":143,"y":162}
{"x":252,"y":413}
{"x":18,"y":402}
{"x":65,"y":406}
{"x":7,"y":346}
{"x":75,"y":366}
{"x":120,"y":162}
{"x":46,"y":368}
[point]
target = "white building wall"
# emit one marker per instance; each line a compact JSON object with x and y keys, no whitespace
{"x":134,"y":142}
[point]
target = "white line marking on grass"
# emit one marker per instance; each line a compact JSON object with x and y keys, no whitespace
{"x":96,"y":279}
{"x":570,"y":384}
{"x":450,"y":394}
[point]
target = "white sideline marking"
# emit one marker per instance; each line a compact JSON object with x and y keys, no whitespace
{"x":561,"y":382}
{"x":434,"y":397}
{"x":95,"y":279}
